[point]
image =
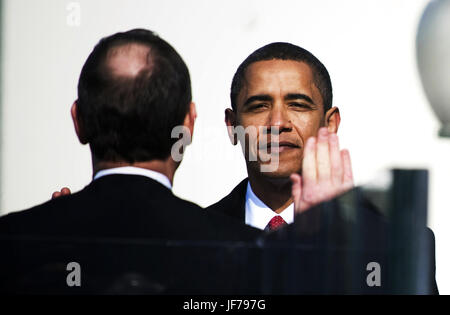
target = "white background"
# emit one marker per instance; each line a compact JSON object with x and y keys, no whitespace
{"x":367,"y":46}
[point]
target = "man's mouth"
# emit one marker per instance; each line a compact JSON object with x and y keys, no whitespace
{"x":273,"y":147}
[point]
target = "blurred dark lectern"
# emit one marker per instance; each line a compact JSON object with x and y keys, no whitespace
{"x":339,"y":246}
{"x":344,"y":246}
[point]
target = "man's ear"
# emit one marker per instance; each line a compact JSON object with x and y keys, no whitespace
{"x":230,"y":121}
{"x":332,"y":119}
{"x":77,"y":123}
{"x":189,"y":120}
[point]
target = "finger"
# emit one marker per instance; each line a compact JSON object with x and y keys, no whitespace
{"x":337,"y":167}
{"x":56,"y":194}
{"x":309,"y":171}
{"x":296,"y":191}
{"x":323,"y":156}
{"x":65,"y":191}
{"x":348,"y":173}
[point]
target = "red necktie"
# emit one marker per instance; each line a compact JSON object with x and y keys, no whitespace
{"x":276,"y":222}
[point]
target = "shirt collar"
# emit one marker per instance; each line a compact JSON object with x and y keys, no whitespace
{"x":131,"y":170}
{"x":258,"y":214}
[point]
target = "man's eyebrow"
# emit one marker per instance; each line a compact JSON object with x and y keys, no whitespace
{"x":261,"y":97}
{"x":298,"y":96}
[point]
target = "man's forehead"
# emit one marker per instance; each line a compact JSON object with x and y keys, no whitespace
{"x":276,"y":76}
{"x":128,"y":60}
{"x":271,"y":71}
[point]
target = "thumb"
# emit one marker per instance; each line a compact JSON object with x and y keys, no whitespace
{"x":296,"y":191}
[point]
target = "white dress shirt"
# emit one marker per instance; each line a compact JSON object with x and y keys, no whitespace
{"x":258,"y":215}
{"x":131,"y":170}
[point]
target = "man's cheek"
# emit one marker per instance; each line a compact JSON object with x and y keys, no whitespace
{"x":248,"y":139}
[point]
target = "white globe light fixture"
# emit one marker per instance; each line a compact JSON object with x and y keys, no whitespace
{"x":433,"y":58}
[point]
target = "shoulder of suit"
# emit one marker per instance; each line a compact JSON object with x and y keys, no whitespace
{"x":35,"y":215}
{"x":234,"y":196}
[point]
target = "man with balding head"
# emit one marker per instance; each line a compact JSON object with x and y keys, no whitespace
{"x":126,"y":229}
{"x":133,"y":90}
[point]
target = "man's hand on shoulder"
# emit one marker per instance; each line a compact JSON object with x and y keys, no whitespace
{"x":64,"y":192}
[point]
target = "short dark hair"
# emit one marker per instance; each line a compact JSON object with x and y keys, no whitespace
{"x":285,"y":51}
{"x":131,"y":118}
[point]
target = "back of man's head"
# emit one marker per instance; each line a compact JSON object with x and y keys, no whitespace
{"x":285,"y":51}
{"x":133,"y":90}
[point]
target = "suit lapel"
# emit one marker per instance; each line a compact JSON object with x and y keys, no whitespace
{"x":233,"y":204}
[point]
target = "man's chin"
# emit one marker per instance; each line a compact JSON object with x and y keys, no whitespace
{"x":277,"y":174}
{"x":270,"y":171}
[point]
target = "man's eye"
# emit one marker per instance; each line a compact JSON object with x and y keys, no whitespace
{"x":300,"y":105}
{"x":257,"y":106}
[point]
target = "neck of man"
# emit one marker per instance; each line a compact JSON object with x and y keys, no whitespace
{"x":166,"y":167}
{"x":274,"y":192}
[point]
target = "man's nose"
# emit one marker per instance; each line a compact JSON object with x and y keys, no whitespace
{"x":279,"y":118}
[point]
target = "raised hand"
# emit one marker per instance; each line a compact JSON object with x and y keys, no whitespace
{"x":326,"y":172}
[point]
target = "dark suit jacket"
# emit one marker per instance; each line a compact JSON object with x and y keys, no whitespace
{"x":338,"y":229}
{"x":233,"y":204}
{"x":116,"y":224}
{"x":130,"y":234}
{"x":123,"y":206}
